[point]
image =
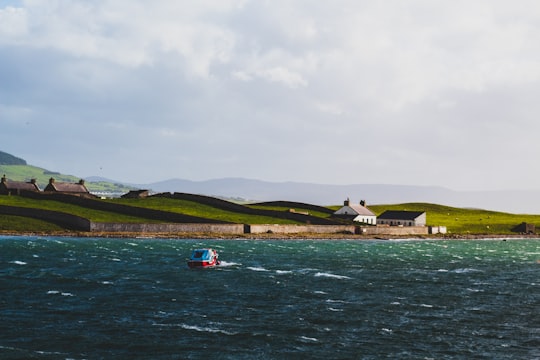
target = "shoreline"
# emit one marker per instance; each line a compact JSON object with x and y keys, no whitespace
{"x":273,"y":236}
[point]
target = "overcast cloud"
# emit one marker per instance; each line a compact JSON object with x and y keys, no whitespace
{"x":412,"y":92}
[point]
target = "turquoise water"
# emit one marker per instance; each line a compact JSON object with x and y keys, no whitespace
{"x":68,"y":298}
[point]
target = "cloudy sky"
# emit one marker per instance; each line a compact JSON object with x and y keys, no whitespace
{"x":412,"y":92}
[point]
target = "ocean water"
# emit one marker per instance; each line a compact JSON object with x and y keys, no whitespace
{"x":70,"y":298}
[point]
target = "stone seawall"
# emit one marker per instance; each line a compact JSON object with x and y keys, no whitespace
{"x":299,"y":229}
{"x":394,"y":230}
{"x":168,"y":228}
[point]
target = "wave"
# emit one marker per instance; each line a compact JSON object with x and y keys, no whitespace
{"x":257,"y":268}
{"x":197,"y":328}
{"x":17,"y":262}
{"x":332,"y":276}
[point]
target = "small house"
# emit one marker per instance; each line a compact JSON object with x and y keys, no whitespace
{"x":77,"y":188}
{"x":356,"y":212}
{"x":8,"y":187}
{"x":402,"y":218}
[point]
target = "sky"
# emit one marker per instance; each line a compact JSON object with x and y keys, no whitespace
{"x":407,"y":92}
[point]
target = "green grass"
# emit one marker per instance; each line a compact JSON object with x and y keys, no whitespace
{"x":24,"y":224}
{"x":91,"y":214}
{"x":201,"y":210}
{"x":457,"y":220}
{"x":464,"y":221}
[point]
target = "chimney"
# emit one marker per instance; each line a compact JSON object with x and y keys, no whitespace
{"x":51,"y":181}
{"x":363,"y":203}
{"x":4,"y":179}
{"x":346,"y":202}
{"x":32,"y":181}
{"x":81,"y":182}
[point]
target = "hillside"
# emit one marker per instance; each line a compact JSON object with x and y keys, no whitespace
{"x":196,"y":208}
{"x":17,"y":169}
{"x":8,"y":159}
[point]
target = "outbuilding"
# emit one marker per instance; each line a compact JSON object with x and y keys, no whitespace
{"x":402,"y":218}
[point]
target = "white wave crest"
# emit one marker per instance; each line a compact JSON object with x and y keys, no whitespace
{"x":332,"y":276}
{"x":17,"y":262}
{"x":253,"y":268}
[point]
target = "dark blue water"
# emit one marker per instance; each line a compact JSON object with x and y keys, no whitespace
{"x":64,"y":298}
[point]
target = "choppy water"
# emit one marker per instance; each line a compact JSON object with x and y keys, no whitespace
{"x":64,"y":298}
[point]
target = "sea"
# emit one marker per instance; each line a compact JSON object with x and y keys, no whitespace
{"x":135,"y":298}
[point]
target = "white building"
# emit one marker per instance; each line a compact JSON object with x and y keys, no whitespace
{"x":402,"y":218}
{"x":357,"y":213}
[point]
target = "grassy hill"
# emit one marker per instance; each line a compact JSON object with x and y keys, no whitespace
{"x":42,"y":176}
{"x":457,"y":220}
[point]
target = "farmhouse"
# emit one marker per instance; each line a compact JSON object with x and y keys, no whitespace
{"x":8,"y":187}
{"x":67,"y":188}
{"x":402,"y":218}
{"x":356,"y":212}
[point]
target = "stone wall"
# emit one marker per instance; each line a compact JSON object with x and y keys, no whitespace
{"x":299,"y":229}
{"x":394,"y":230}
{"x":168,"y":228}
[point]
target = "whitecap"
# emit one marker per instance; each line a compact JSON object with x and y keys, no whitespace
{"x":226,"y":263}
{"x":466,"y":270}
{"x":310,"y":339}
{"x":256,"y":268}
{"x":386,"y":330}
{"x":320,"y":292}
{"x":115,"y":259}
{"x":335,"y":310}
{"x":17,"y":262}
{"x":426,"y":305}
{"x":197,"y":328}
{"x":333,"y":276}
{"x":67,"y":294}
{"x":281,"y":272}
{"x":53,"y":292}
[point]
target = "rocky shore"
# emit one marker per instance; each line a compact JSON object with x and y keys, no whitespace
{"x":269,"y":236}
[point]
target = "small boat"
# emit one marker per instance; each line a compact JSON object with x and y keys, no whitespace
{"x":203,"y":258}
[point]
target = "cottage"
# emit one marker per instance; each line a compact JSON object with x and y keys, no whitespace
{"x":356,"y":212}
{"x":8,"y":187}
{"x":402,"y":218}
{"x":67,"y":188}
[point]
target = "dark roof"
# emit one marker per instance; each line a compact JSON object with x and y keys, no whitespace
{"x":400,"y":215}
{"x":65,"y":187}
{"x":20,"y":185}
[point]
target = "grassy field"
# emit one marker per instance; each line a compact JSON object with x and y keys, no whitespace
{"x":464,"y":221}
{"x":457,"y":220}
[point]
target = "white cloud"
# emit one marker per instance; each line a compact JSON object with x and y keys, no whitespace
{"x":227,"y":83}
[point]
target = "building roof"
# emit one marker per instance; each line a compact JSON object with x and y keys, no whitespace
{"x":19,"y":185}
{"x":354,"y":210}
{"x":361,"y":210}
{"x":400,"y":215}
{"x":66,"y":187}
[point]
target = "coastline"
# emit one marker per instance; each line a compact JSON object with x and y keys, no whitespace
{"x":270,"y":236}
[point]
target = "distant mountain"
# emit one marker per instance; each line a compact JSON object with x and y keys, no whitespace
{"x":8,"y":159}
{"x":324,"y":194}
